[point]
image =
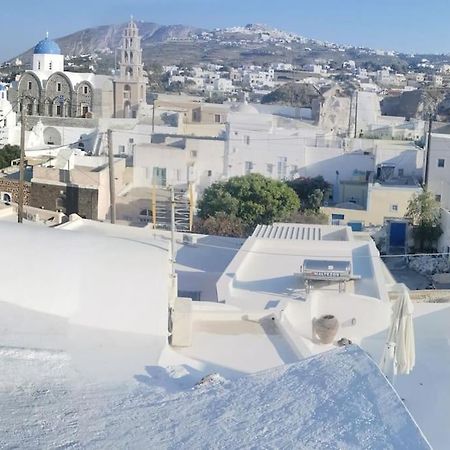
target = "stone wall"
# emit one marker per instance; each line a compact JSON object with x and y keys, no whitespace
{"x":68,"y":199}
{"x":12,"y":187}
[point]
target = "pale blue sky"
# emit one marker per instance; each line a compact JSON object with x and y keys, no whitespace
{"x":407,"y":25}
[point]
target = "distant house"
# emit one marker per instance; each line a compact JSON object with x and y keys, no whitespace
{"x":71,"y":184}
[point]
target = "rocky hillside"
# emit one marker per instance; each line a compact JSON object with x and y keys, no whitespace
{"x":252,"y":44}
{"x":105,"y":39}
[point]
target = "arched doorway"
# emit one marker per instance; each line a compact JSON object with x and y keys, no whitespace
{"x":52,"y":136}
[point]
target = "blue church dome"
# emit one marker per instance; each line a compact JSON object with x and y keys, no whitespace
{"x":47,"y":47}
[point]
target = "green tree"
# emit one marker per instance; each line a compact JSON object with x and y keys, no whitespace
{"x":221,"y":225}
{"x":7,"y":154}
{"x":310,"y":191}
{"x":310,"y":217}
{"x":424,"y":212}
{"x":253,"y":198}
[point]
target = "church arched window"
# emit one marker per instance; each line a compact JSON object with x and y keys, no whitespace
{"x":127,"y":91}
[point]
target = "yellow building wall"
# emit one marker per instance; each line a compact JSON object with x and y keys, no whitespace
{"x":381,"y":206}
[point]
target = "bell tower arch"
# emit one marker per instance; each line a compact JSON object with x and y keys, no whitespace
{"x":130,"y":83}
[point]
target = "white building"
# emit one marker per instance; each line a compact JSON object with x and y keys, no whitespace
{"x":313,"y":68}
{"x":439,"y":168}
{"x":404,"y":158}
{"x":387,"y":77}
{"x":259,"y":78}
{"x":88,"y":301}
{"x":271,"y":261}
{"x":274,"y":146}
{"x":105,"y":342}
{"x":371,"y":123}
{"x":280,"y":148}
{"x":179,"y":161}
{"x":223,"y":85}
{"x":8,"y":127}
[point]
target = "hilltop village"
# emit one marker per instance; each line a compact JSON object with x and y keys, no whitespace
{"x":260,"y":248}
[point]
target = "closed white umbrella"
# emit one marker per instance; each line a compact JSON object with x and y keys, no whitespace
{"x":399,"y":355}
{"x":406,"y":348}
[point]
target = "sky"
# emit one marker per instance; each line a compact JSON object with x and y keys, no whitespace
{"x":405,"y":25}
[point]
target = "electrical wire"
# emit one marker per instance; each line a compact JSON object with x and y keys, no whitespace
{"x":236,"y":249}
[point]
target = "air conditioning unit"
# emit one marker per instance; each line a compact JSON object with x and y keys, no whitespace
{"x":189,"y":239}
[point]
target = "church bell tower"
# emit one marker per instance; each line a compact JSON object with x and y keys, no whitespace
{"x":130,"y":83}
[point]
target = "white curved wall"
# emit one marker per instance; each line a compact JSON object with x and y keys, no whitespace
{"x":91,"y":280}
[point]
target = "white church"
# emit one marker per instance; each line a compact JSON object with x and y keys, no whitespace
{"x":50,"y":91}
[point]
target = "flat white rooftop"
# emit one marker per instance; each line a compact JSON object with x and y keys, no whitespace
{"x":301,"y":232}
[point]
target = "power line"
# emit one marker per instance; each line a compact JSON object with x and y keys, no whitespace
{"x":239,"y":249}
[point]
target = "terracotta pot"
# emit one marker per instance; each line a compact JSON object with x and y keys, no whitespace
{"x":326,"y":328}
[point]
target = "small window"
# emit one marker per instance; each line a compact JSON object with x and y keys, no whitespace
{"x":121,"y":148}
{"x":193,"y":153}
{"x":270,"y":169}
{"x":394,"y":207}
{"x":50,"y":65}
{"x":209,"y":173}
{"x":400,"y":172}
{"x":131,"y":140}
{"x":30,"y":85}
{"x":58,"y":87}
{"x":247,"y":140}
{"x":217,"y":118}
{"x":438,"y":198}
{"x":441,"y":162}
{"x":39,"y":65}
{"x":145,"y":212}
{"x":85,"y":90}
{"x":248,"y":167}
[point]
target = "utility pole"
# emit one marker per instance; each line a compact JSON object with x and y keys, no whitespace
{"x":153,"y":117}
{"x":427,"y":156}
{"x":350,"y":118}
{"x":172,"y":229}
{"x":112,"y":182}
{"x":154,"y":206}
{"x":191,"y":206}
{"x":173,"y":275}
{"x":356,"y":114}
{"x":22,"y":166}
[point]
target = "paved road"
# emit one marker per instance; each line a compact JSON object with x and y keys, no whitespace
{"x":404,"y":274}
